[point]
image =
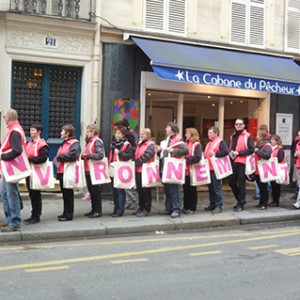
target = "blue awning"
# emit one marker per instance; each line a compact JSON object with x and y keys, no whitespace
{"x":218,"y":67}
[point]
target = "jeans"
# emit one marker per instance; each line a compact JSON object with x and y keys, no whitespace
{"x":173,"y":198}
{"x":237,"y":182}
{"x":119,"y":201}
{"x":215,"y":191}
{"x":11,"y":203}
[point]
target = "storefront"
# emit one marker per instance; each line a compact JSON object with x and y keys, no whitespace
{"x":174,"y":83}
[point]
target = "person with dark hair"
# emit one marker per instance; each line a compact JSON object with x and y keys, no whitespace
{"x":175,"y":146}
{"x":216,"y":147}
{"x":12,"y":146}
{"x":130,"y":197}
{"x":120,"y":149}
{"x":241,"y":145}
{"x":263,"y":150}
{"x":95,"y":151}
{"x":129,"y":136}
{"x":37,"y":151}
{"x":69,"y":151}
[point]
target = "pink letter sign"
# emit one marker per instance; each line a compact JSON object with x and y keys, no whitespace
{"x":222,"y":166}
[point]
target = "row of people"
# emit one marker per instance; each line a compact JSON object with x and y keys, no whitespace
{"x":241,"y":145}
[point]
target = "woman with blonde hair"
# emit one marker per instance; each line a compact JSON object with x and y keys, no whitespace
{"x":144,"y":153}
{"x":194,"y":156}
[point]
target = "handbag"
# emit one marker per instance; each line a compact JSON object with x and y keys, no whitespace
{"x":173,"y":170}
{"x":42,"y":177}
{"x":250,"y":164}
{"x":124,"y":174}
{"x":16,"y":169}
{"x":283,"y":171}
{"x":200,"y":173}
{"x":150,"y":174}
{"x":99,"y":171}
{"x":222,"y":166}
{"x":74,"y":176}
{"x":268,"y":169}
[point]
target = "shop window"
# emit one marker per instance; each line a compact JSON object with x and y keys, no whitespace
{"x":165,"y":16}
{"x":248,"y":22}
{"x":292,"y":34}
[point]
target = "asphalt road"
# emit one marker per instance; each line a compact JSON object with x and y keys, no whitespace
{"x":254,"y":263}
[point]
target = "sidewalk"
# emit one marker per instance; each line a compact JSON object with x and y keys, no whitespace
{"x":81,"y":226}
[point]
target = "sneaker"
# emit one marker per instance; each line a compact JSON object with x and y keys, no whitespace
{"x":175,"y":214}
{"x":142,"y":213}
{"x":263,"y":208}
{"x":9,"y":228}
{"x":297,"y":205}
{"x":86,"y":197}
{"x":137,"y":211}
{"x":210,"y":208}
{"x":238,"y":208}
{"x":217,"y":210}
{"x":255,"y":197}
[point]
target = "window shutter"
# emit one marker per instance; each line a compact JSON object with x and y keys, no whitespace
{"x":257,"y":23}
{"x":154,"y":15}
{"x":292,"y":35}
{"x":238,"y":22}
{"x":177,"y":16}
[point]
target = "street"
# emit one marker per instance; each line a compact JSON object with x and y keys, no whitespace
{"x":245,"y":263}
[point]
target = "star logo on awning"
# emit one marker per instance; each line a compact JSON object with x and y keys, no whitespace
{"x":179,"y":75}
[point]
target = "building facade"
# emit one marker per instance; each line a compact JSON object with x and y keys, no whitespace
{"x":75,"y":61}
{"x":143,"y":41}
{"x":46,"y":55}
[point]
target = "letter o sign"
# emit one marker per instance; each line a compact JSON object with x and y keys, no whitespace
{"x":125,"y":174}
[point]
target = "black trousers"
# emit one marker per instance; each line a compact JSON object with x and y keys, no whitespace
{"x":263,"y":189}
{"x":237,"y":182}
{"x":68,"y":198}
{"x":36,"y":201}
{"x":95,"y":192}
{"x":276,"y":191}
{"x":190,"y":196}
{"x":145,"y":197}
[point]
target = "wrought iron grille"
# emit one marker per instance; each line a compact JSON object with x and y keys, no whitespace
{"x":62,"y":100}
{"x":27,"y":94}
{"x":62,"y":8}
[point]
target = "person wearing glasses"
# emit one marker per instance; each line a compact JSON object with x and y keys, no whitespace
{"x":241,"y":145}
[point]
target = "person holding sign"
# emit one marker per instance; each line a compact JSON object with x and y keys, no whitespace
{"x":94,"y":151}
{"x":263,"y":150}
{"x":37,"y":151}
{"x":241,"y":145}
{"x":216,"y":147}
{"x":12,"y":147}
{"x":194,"y":156}
{"x":120,"y":149}
{"x":175,"y":147}
{"x":69,"y":151}
{"x":144,"y":153}
{"x":277,"y":151}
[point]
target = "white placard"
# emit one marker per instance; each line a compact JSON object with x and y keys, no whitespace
{"x":284,"y":128}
